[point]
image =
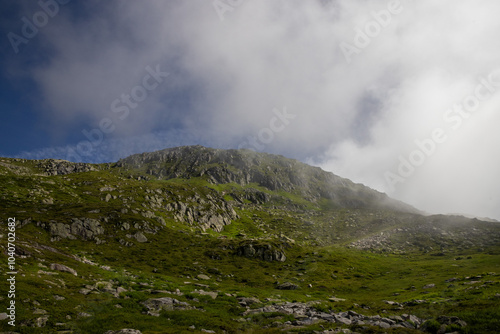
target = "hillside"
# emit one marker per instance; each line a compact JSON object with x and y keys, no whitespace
{"x":192,"y":238}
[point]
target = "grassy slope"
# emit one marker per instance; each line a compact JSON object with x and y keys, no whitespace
{"x":173,"y":258}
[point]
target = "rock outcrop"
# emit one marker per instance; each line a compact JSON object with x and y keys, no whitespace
{"x":83,"y":228}
{"x":266,"y":252}
{"x":63,"y":167}
{"x":206,"y":213}
{"x":273,"y":172}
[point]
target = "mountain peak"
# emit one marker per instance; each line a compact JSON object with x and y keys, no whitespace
{"x":273,"y":172}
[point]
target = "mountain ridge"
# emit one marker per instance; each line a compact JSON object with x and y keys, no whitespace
{"x":273,"y":172}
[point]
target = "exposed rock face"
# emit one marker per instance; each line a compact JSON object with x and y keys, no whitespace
{"x":252,"y":195}
{"x":270,"y":171}
{"x":264,"y":252}
{"x":84,"y":228}
{"x":63,"y":167}
{"x":206,"y":213}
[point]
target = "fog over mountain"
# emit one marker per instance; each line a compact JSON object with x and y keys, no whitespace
{"x":402,"y":96}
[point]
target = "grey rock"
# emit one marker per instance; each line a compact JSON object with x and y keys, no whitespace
{"x":84,"y":291}
{"x":140,"y":237}
{"x":84,"y":315}
{"x":86,"y":228}
{"x":155,"y":305}
{"x":60,"y":230}
{"x":287,"y":286}
{"x":63,"y":167}
{"x":266,"y":252}
{"x":124,"y":331}
{"x":245,"y":301}
{"x":342,"y":320}
{"x":103,"y":285}
{"x":120,"y":290}
{"x":63,"y":268}
{"x":212,"y":294}
{"x":40,"y":322}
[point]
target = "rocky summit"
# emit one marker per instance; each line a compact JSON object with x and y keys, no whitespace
{"x":200,"y":240}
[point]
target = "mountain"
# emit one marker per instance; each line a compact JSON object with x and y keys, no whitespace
{"x":272,"y":172}
{"x":194,"y":239}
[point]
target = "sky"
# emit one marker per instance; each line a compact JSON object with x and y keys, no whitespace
{"x":402,"y":96}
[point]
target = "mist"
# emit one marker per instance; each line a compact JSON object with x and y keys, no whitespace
{"x":402,"y":96}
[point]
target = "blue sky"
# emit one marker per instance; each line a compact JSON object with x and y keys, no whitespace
{"x":402,"y":96}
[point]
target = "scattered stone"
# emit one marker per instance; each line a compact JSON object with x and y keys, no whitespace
{"x":307,"y":314}
{"x":84,"y":315}
{"x":203,"y":277}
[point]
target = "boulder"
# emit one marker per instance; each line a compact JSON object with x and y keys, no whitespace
{"x":266,"y":252}
{"x":140,"y":237}
{"x":63,"y":268}
{"x":86,"y":228}
{"x":287,"y":286}
{"x":156,"y":305}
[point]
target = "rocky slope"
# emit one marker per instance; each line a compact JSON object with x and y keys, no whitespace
{"x":194,"y":239}
{"x":272,"y":172}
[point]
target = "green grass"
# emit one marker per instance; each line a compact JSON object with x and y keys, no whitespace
{"x":174,"y":257}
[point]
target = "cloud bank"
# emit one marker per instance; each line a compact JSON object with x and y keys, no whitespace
{"x":369,"y":83}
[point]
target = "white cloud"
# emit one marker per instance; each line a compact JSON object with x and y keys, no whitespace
{"x":227,"y":76}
